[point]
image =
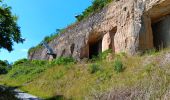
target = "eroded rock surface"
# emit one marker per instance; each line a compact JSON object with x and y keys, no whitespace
{"x":123,"y":26}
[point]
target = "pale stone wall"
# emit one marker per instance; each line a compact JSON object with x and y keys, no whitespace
{"x":106,"y":42}
{"x":132,"y":19}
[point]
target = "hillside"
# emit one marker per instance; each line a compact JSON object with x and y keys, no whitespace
{"x":145,"y":77}
{"x":117,"y":50}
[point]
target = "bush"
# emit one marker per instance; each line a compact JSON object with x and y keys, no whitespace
{"x":118,"y":65}
{"x":104,"y":54}
{"x":94,"y":68}
{"x":101,"y":56}
{"x":47,"y":39}
{"x":39,"y":62}
{"x":26,"y":70}
{"x":64,"y":61}
{"x":21,"y":61}
{"x":3,"y":69}
{"x":3,"y":63}
{"x":96,"y":6}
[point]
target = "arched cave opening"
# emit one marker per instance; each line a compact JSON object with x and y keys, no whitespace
{"x":95,"y":48}
{"x":161,"y":33}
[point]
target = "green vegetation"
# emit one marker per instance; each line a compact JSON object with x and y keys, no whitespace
{"x":151,"y":52}
{"x":21,"y":61}
{"x":64,"y":61}
{"x":97,"y":5}
{"x":10,"y":31}
{"x":102,"y":55}
{"x":118,"y":65}
{"x":94,"y":68}
{"x":4,"y":67}
{"x":33,"y":49}
{"x":77,"y":81}
{"x":47,"y":39}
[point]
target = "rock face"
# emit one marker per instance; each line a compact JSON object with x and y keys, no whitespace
{"x":123,"y":26}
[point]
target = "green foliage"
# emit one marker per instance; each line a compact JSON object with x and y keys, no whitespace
{"x":25,"y":70}
{"x":94,"y":68}
{"x":64,"y":61}
{"x":3,"y":63}
{"x":20,"y":61}
{"x":96,"y":6}
{"x":3,"y":67}
{"x":47,"y":80}
{"x":10,"y":31}
{"x":32,"y":49}
{"x":150,"y":52}
{"x":118,"y":65}
{"x":104,"y":54}
{"x":59,"y":75}
{"x":101,"y":56}
{"x":47,"y":39}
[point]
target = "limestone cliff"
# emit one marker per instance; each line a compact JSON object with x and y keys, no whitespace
{"x":123,"y":26}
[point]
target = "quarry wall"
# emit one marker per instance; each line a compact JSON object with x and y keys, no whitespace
{"x":126,"y":26}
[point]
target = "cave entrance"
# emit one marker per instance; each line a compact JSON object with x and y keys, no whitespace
{"x":95,"y":48}
{"x":161,"y":33}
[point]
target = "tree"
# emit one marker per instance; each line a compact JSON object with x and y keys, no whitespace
{"x":9,"y":29}
{"x":3,"y":67}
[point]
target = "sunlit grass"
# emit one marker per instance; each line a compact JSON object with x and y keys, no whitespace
{"x":75,"y":81}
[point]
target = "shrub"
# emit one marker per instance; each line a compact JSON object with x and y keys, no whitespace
{"x":101,"y":56}
{"x":118,"y":65}
{"x":104,"y":54}
{"x":3,"y":69}
{"x":21,"y":61}
{"x":33,"y":49}
{"x":96,"y":6}
{"x":94,"y":68}
{"x":64,"y":61}
{"x":39,"y":62}
{"x":3,"y":63}
{"x":47,"y":39}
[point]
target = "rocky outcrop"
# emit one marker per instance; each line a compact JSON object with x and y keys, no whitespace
{"x":123,"y":26}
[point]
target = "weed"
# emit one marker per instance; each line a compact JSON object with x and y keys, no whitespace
{"x":150,"y":52}
{"x":118,"y":65}
{"x":104,"y":54}
{"x":64,"y":61}
{"x":94,"y":68}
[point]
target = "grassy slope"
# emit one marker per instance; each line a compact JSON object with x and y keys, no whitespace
{"x":146,"y":74}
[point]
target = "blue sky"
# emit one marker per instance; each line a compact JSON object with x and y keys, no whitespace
{"x":39,"y":18}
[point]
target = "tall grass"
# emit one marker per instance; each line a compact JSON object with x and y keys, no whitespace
{"x":90,"y":80}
